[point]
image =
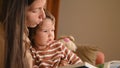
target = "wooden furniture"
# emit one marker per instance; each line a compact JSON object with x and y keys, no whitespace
{"x":53,"y":7}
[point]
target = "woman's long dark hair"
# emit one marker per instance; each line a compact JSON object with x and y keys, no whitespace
{"x":12,"y":16}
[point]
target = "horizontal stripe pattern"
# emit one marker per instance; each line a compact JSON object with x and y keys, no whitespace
{"x":53,"y":56}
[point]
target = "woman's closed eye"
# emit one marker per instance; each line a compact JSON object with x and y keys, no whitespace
{"x":45,"y":30}
{"x":35,"y":11}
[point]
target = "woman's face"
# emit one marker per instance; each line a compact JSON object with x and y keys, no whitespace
{"x":35,"y":13}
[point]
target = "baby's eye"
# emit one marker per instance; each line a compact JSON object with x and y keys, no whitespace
{"x":53,"y":30}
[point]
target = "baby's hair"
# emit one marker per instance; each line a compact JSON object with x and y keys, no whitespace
{"x":49,"y":15}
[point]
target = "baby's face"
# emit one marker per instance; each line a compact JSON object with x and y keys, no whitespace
{"x":45,"y":34}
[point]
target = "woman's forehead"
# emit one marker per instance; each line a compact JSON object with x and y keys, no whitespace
{"x":38,"y":4}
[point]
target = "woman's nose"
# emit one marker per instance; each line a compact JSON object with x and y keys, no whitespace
{"x":42,"y":14}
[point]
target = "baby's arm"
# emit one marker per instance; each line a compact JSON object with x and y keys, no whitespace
{"x":71,"y":57}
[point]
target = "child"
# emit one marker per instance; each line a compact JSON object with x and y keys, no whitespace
{"x":47,"y":52}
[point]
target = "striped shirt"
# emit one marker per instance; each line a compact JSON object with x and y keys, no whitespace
{"x":54,"y":56}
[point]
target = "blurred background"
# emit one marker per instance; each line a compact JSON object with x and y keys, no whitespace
{"x":94,"y":22}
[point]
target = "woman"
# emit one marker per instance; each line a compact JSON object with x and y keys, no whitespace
{"x":16,"y":16}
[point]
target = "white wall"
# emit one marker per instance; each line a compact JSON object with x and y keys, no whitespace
{"x":94,"y":22}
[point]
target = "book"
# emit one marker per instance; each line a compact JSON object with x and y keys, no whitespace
{"x":82,"y":65}
{"x":112,"y":64}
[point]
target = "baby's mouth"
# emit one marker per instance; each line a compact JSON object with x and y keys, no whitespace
{"x":50,"y":41}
